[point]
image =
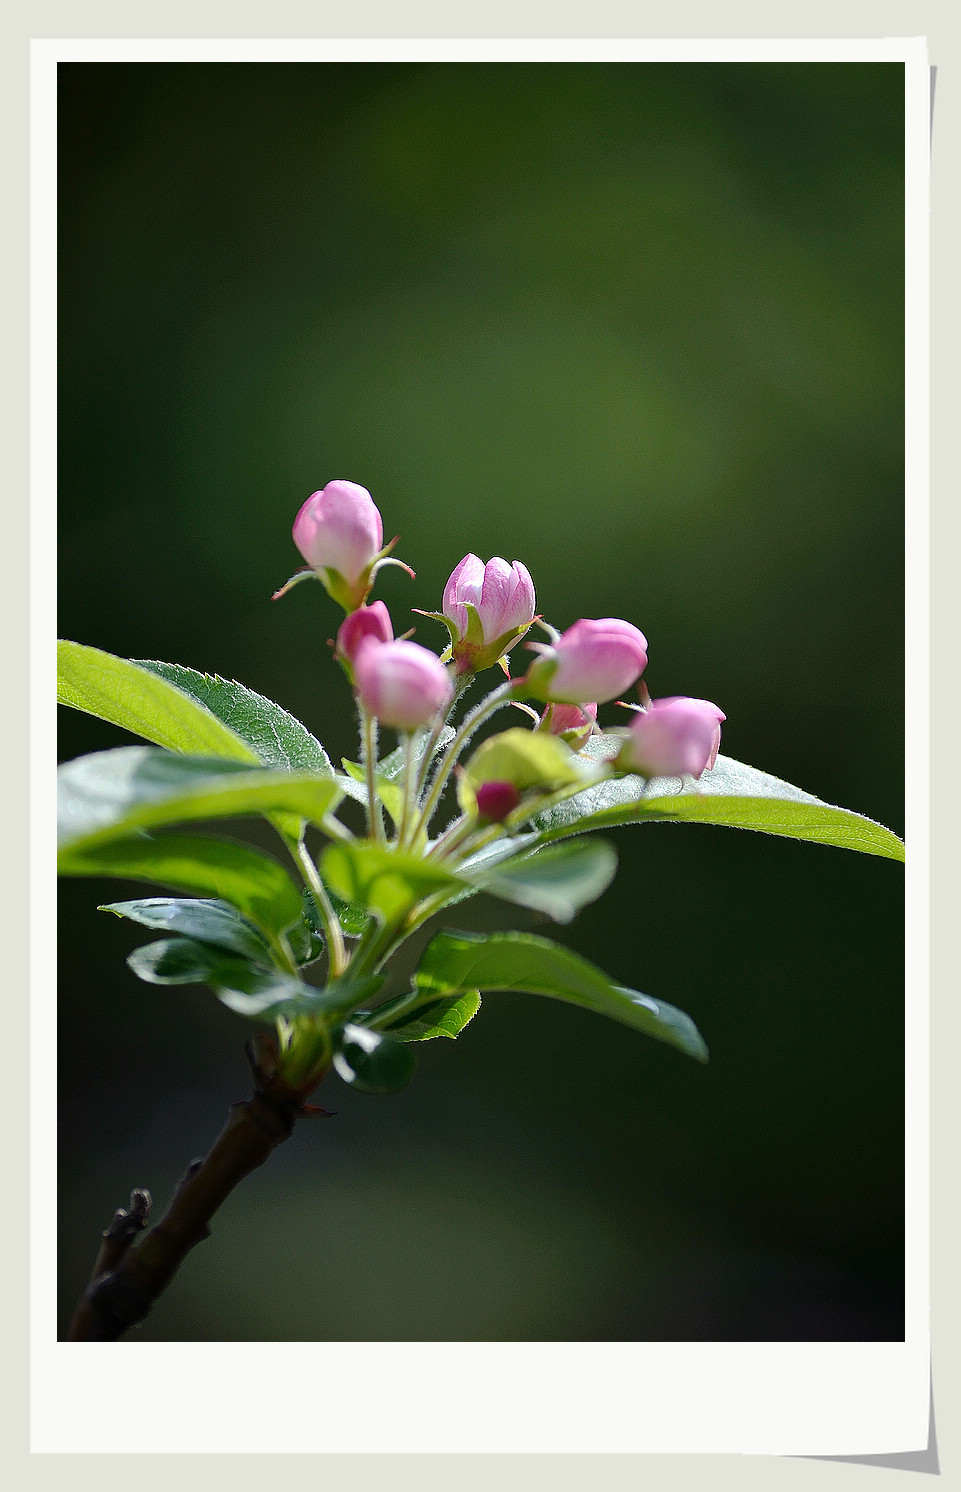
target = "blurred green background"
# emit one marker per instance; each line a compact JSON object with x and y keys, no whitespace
{"x":639,"y":326}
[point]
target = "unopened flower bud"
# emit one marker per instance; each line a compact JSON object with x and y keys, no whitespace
{"x":366,"y":624}
{"x":591,"y":661}
{"x":403,"y":684}
{"x":574,"y":722}
{"x":674,"y":737}
{"x":340,"y":534}
{"x":495,"y":800}
{"x":487,"y":608}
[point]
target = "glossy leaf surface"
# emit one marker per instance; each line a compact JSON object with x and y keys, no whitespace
{"x":256,"y":884}
{"x":241,"y":985}
{"x":520,"y":961}
{"x":373,"y":1063}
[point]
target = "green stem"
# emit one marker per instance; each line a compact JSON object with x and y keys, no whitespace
{"x":461,"y":686}
{"x":368,"y":746}
{"x":129,"y":1277}
{"x":375,"y":945}
{"x":451,"y":839}
{"x":470,"y":723}
{"x":336,"y":951}
{"x":410,"y":773}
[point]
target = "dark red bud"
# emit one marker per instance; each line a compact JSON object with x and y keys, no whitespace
{"x":495,"y":800}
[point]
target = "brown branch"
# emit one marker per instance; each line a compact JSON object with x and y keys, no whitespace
{"x":127,"y":1279}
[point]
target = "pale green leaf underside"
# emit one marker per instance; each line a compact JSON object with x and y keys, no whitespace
{"x":732,"y":794}
{"x":208,"y":921}
{"x":519,"y":961}
{"x":253,"y":882}
{"x":113,"y":794}
{"x":558,"y":881}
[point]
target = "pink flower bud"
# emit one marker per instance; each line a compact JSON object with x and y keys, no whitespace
{"x":495,"y":800}
{"x":593,"y":660}
{"x":340,"y":534}
{"x":366,"y":624}
{"x":675,"y":737}
{"x":403,"y":684}
{"x":502,"y":596}
{"x":574,"y":722}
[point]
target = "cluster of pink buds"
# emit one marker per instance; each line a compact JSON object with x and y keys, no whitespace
{"x":487,"y":609}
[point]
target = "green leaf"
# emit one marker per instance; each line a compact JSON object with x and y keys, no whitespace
{"x":251,"y":880}
{"x":242,"y":986}
{"x":207,"y":921}
{"x":390,"y":793}
{"x":520,"y":961}
{"x":276,"y":738}
{"x":559,"y":880}
{"x":526,"y":758}
{"x":731,"y":794}
{"x":381,"y":879}
{"x":111,"y":794}
{"x":129,"y":695}
{"x":372,"y":1063}
{"x":444,"y":1017}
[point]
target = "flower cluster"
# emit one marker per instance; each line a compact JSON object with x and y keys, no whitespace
{"x":488,"y":609}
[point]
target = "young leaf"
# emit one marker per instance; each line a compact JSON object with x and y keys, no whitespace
{"x":241,"y":985}
{"x":383,"y":880}
{"x":129,"y":695}
{"x":255,"y":884}
{"x":520,"y":961}
{"x":112,"y":794}
{"x":372,"y":1063}
{"x":558,"y":881}
{"x":213,"y":922}
{"x":730,"y":794}
{"x":276,"y":738}
{"x":444,"y":1017}
{"x":389,"y":792}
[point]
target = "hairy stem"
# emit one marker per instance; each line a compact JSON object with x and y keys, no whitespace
{"x":470,"y":723}
{"x":461,"y":686}
{"x":129,"y":1277}
{"x":336,"y":951}
{"x":368,"y":742}
{"x":408,"y":781}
